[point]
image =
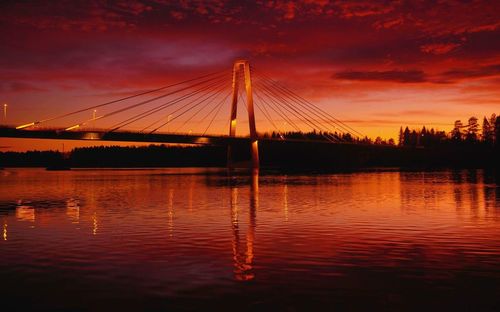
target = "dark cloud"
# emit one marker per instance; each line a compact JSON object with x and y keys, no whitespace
{"x":476,"y":72}
{"x":17,"y":87}
{"x":439,"y":48}
{"x":415,"y":76}
{"x":413,"y":112}
{"x":405,"y":76}
{"x":393,"y":122}
{"x":113,"y":43}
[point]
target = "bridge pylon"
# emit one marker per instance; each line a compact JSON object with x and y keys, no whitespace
{"x":242,"y":66}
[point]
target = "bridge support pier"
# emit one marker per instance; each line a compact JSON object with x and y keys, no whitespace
{"x":239,"y":66}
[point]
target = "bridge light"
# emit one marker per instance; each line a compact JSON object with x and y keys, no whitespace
{"x":202,"y":141}
{"x":168,"y":122}
{"x":26,"y":125}
{"x":255,"y":154}
{"x":92,"y":136}
{"x":73,"y":127}
{"x":93,"y":118}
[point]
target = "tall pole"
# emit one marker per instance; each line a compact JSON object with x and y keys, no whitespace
{"x":5,"y":112}
{"x":238,"y":66}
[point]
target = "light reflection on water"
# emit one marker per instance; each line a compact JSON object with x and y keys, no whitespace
{"x":197,"y":237}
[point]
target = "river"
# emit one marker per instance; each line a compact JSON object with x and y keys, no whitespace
{"x":203,"y":239}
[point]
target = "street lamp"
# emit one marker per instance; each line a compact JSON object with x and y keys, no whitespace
{"x":5,"y":112}
{"x":168,"y":121}
{"x":93,"y":118}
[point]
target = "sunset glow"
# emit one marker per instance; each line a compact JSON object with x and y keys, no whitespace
{"x":375,"y":65}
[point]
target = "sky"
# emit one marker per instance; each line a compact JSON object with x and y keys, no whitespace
{"x":376,"y":65}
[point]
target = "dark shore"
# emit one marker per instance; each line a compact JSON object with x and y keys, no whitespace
{"x":274,"y":155}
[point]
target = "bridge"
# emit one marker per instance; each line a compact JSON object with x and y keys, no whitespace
{"x":290,"y":116}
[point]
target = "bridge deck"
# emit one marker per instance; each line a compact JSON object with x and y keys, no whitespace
{"x":128,"y":136}
{"x":121,"y":136}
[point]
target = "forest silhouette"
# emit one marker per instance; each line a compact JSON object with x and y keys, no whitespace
{"x":468,"y":145}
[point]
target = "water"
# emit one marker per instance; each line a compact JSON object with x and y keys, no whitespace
{"x":185,"y":239}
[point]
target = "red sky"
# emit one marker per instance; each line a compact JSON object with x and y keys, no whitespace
{"x":374,"y":64}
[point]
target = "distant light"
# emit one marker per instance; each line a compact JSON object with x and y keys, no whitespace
{"x":94,"y":229}
{"x":26,"y":125}
{"x":73,"y":127}
{"x":202,"y":141}
{"x":92,"y":136}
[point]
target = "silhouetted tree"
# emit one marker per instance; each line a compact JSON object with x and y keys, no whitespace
{"x":493,"y":119}
{"x":413,"y":138}
{"x":366,"y":140}
{"x":406,"y":137}
{"x":487,"y":131}
{"x":472,"y":129}
{"x":456,"y":133}
{"x":423,"y":137}
{"x":497,"y":131}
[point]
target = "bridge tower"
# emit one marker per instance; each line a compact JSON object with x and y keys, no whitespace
{"x":241,"y":68}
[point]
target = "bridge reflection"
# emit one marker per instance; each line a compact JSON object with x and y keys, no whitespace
{"x":25,"y":213}
{"x":4,"y":233}
{"x":243,"y":255}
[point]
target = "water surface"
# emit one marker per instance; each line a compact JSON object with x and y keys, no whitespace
{"x":85,"y":240}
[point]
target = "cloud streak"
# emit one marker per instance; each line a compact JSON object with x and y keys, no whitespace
{"x":407,"y":76}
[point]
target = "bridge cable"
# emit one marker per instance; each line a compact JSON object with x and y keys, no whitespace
{"x":327,"y":134}
{"x":305,"y":101}
{"x":281,"y":114}
{"x":310,"y":111}
{"x":216,"y":107}
{"x":217,"y":112}
{"x":297,"y":113}
{"x":304,"y":109}
{"x":269,"y":119}
{"x":212,"y":87}
{"x":187,"y":110}
{"x":296,"y":98}
{"x":266,"y":112}
{"x":310,"y":121}
{"x":161,"y":107}
{"x":277,"y":110}
{"x":245,"y":105}
{"x":114,"y":101}
{"x":200,"y":97}
{"x":270,"y":90}
{"x":137,"y":105}
{"x":202,"y":108}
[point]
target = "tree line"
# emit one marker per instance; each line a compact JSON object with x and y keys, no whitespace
{"x":326,"y":136}
{"x":471,"y":133}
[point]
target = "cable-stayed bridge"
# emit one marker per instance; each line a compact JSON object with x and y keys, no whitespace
{"x":201,"y":110}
